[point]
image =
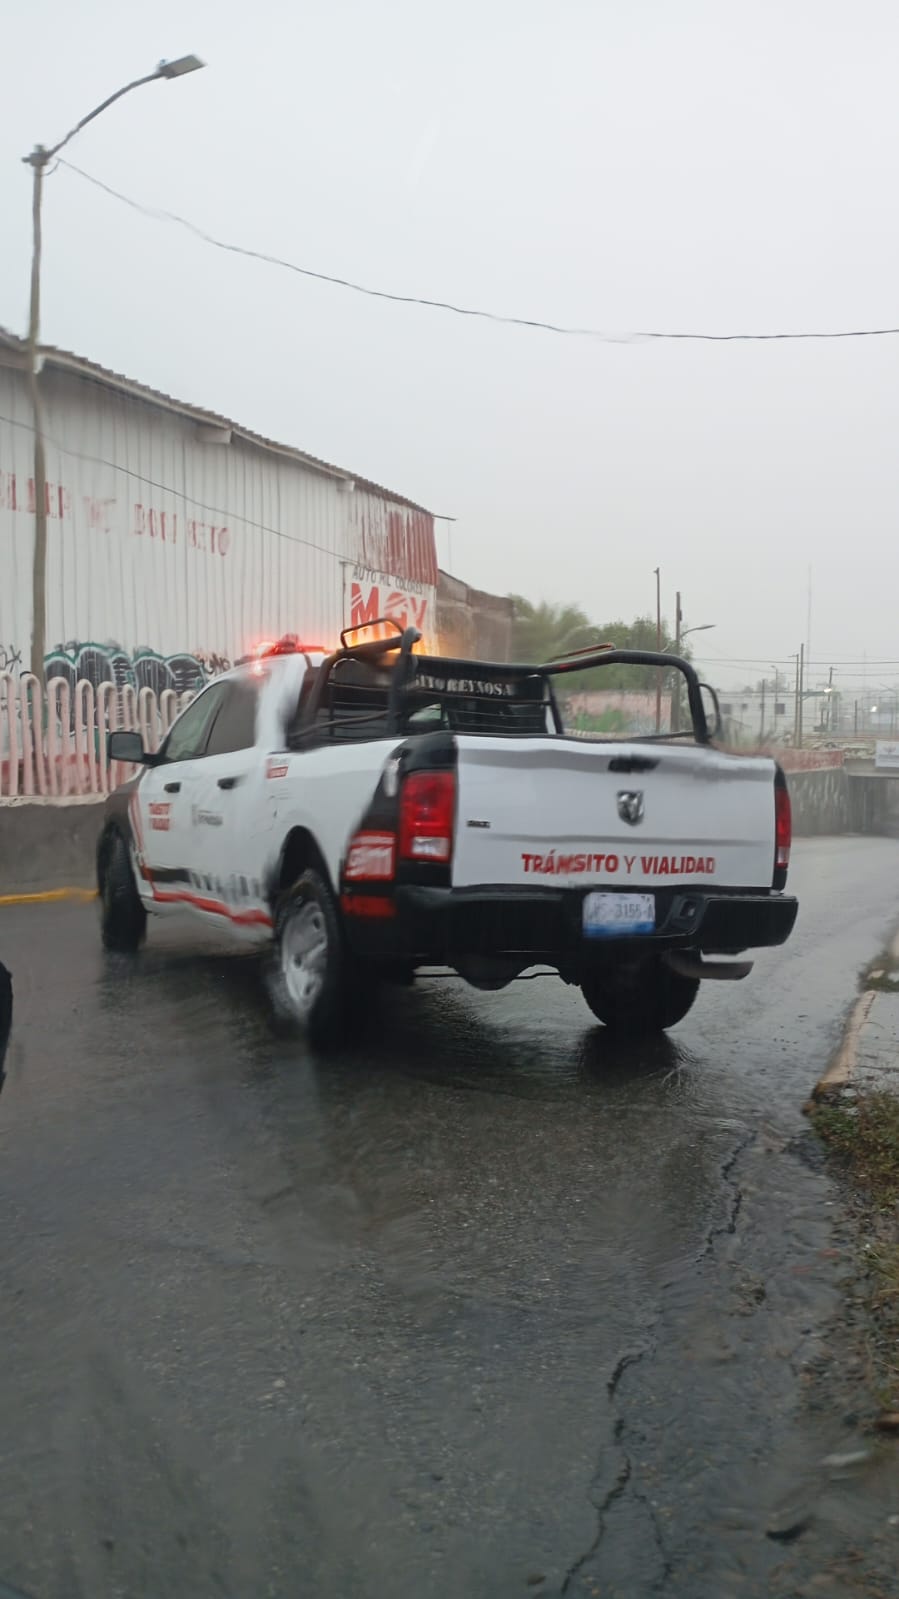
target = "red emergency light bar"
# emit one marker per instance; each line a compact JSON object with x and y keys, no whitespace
{"x":290,"y":644}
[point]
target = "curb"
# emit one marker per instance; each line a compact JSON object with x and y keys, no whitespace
{"x":843,"y":1066}
{"x":49,"y":896}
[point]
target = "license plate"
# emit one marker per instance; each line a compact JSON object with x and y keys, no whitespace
{"x":618,"y":915}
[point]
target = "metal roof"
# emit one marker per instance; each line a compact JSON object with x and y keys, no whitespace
{"x":67,"y":361}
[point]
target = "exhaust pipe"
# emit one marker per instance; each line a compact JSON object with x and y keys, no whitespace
{"x":716,"y":971}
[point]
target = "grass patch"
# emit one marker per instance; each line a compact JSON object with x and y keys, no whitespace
{"x":883,"y":982}
{"x":882,"y":974}
{"x":864,"y":1133}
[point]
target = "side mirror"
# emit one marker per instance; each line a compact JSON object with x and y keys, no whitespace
{"x":127,"y":747}
{"x":712,"y":709}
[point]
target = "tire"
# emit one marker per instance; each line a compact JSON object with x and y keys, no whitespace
{"x":123,"y":920}
{"x":5,"y":1016}
{"x":639,"y":999}
{"x":312,"y":973}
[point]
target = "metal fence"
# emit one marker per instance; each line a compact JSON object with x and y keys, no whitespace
{"x":53,"y":739}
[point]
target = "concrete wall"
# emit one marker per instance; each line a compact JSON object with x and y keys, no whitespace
{"x":835,"y":801}
{"x":820,"y":802}
{"x":870,"y":805}
{"x":48,"y":846}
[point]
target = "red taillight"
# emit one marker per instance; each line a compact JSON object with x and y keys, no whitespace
{"x":427,"y":814}
{"x":783,"y":826}
{"x":370,"y":858}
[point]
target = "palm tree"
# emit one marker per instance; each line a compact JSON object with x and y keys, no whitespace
{"x":542,"y":631}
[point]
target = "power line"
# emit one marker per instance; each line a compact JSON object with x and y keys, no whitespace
{"x":160,"y":215}
{"x":821,"y":665}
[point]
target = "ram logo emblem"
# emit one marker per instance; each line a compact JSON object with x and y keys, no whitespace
{"x":631,"y":807}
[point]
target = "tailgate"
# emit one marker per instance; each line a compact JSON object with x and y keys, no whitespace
{"x":568,"y":813}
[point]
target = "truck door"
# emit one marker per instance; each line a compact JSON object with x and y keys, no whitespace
{"x":228,"y":816}
{"x":164,"y":796}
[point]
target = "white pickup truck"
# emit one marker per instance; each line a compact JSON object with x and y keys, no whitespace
{"x":374,"y":812}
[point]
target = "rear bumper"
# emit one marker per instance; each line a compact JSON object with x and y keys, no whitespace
{"x":441,"y":926}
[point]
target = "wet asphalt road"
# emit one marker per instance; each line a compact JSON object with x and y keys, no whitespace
{"x":486,"y":1308}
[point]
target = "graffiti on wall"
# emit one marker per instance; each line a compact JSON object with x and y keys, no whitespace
{"x":143,"y":668}
{"x":10,"y":658}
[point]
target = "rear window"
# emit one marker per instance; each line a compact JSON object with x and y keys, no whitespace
{"x":624,"y":701}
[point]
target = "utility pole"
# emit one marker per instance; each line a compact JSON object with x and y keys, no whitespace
{"x":658,"y":576}
{"x":676,"y":676}
{"x":800,"y":696}
{"x":39,"y":160}
{"x":808,"y":624}
{"x":776,"y":691}
{"x":762,"y":715}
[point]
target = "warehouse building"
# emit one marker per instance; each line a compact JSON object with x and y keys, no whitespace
{"x":178,"y":539}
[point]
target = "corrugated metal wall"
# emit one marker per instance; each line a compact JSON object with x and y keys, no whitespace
{"x":471,"y":623}
{"x":162,"y":543}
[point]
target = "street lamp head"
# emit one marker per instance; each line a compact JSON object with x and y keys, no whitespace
{"x":177,"y":69}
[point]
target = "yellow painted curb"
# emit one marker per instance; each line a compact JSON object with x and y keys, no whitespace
{"x":842,"y":1068}
{"x":50,"y":895}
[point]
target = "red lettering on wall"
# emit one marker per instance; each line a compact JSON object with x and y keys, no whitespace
{"x":363,"y":610}
{"x":369,"y":601}
{"x":97,"y":513}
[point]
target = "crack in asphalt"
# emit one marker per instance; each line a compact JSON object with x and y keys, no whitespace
{"x":625,"y":1479}
{"x":729,"y":1226}
{"x":617,"y":1489}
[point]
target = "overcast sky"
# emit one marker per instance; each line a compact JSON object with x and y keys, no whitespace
{"x":643,"y":164}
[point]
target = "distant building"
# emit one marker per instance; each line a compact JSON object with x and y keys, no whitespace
{"x":751,"y":717}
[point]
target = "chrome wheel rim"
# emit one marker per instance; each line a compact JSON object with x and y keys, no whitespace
{"x":304,"y":953}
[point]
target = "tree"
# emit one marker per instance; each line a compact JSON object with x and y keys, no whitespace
{"x":540,"y":632}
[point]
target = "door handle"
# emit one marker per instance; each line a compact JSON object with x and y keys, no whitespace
{"x":228,"y":782}
{"x":172,"y":788}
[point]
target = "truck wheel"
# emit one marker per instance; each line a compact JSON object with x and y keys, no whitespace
{"x":311,"y":972}
{"x":123,"y":920}
{"x":639,"y":999}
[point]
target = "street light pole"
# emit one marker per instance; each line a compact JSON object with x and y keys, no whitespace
{"x":680,"y":633}
{"x":39,"y":570}
{"x":39,"y":160}
{"x":658,"y":575}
